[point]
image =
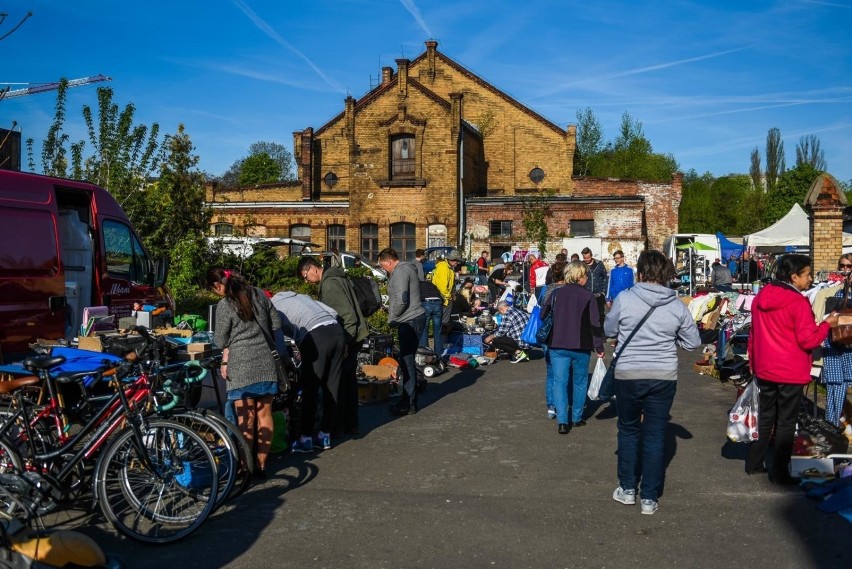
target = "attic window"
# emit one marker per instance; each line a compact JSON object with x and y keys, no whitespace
{"x":402,"y":157}
{"x":331,"y":179}
{"x":536,"y":175}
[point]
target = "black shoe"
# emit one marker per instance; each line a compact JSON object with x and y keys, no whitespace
{"x":757,"y":471}
{"x":564,"y":428}
{"x":260,"y":474}
{"x":401,"y":411}
{"x":580,"y":423}
{"x":784,"y":480}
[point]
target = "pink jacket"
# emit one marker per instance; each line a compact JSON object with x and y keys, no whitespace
{"x":783,"y":333}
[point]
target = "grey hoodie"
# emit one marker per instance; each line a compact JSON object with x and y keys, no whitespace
{"x":652,"y":353}
{"x":300,"y":314}
{"x":404,"y":294}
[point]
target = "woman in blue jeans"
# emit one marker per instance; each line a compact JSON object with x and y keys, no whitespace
{"x":558,"y":277}
{"x":646,"y":375}
{"x":576,"y":332}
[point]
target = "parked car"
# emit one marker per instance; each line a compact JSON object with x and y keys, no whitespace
{"x":433,"y":255}
{"x":348,"y":258}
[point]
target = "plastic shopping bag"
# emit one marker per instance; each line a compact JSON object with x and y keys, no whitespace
{"x":742,"y":419}
{"x":530,"y":330}
{"x":597,"y":380}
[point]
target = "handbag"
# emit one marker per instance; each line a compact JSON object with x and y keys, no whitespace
{"x":545,"y":329}
{"x":842,"y":334}
{"x":607,"y":390}
{"x":531,"y":329}
{"x":286,"y":378}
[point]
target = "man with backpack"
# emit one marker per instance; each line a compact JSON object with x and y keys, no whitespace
{"x":336,"y":290}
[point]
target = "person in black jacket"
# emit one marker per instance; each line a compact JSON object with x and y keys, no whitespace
{"x":433,"y":304}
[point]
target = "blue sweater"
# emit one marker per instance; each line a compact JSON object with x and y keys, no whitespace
{"x":620,"y":279}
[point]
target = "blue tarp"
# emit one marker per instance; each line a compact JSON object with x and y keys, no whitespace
{"x":729,"y":247}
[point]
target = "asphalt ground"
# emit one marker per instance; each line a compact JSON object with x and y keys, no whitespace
{"x":480,"y":478}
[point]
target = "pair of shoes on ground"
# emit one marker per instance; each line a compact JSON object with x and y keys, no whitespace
{"x":520,"y":356}
{"x":306,"y":445}
{"x":628,"y":497}
{"x":402,"y":410}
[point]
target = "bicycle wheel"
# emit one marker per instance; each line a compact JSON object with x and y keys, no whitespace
{"x":10,"y":463}
{"x":221,"y":444}
{"x":159,"y":485}
{"x":245,"y":468}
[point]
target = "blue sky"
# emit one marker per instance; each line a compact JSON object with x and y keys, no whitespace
{"x":706,"y":79}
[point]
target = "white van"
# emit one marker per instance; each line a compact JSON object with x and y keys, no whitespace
{"x":705,"y":249}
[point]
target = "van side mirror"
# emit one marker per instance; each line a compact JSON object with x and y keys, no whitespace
{"x":161,"y":272}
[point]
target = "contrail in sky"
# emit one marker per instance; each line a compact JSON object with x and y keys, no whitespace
{"x":267,"y":29}
{"x":415,"y":11}
{"x":666,"y":65}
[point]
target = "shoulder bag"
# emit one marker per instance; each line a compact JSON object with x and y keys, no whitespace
{"x":607,"y":389}
{"x":542,"y":335}
{"x":286,"y":379}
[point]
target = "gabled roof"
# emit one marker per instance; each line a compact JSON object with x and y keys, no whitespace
{"x":377,"y":92}
{"x":488,"y":86}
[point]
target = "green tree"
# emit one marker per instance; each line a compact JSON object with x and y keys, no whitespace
{"x":775,"y":164}
{"x":754,"y":170}
{"x":696,"y":202}
{"x":259,"y":169}
{"x":791,"y":188}
{"x":729,"y":193}
{"x":54,"y":155}
{"x":233,"y":177}
{"x":536,"y":210}
{"x":176,"y":200}
{"x":631,"y":156}
{"x":808,"y":151}
{"x":589,"y":140}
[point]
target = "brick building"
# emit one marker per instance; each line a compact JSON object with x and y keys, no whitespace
{"x":435,"y":155}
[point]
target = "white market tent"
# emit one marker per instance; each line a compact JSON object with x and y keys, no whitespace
{"x":791,"y":230}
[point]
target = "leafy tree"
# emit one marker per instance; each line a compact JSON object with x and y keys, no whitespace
{"x":277,"y":152}
{"x":752,"y":212}
{"x":754,"y":171}
{"x":775,"y":165}
{"x":259,"y":169}
{"x":54,"y":158}
{"x":791,"y":188}
{"x":536,"y":210}
{"x":728,"y":193}
{"x":696,"y":202}
{"x":631,"y":156}
{"x":808,"y":151}
{"x":175,"y":211}
{"x":589,"y":140}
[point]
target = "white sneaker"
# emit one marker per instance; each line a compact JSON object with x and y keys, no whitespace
{"x":649,"y":507}
{"x":624,"y":496}
{"x":551,"y":413}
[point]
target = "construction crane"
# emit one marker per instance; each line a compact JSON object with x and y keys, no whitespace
{"x":42,"y":87}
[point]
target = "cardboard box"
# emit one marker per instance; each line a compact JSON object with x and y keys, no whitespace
{"x":375,"y":372}
{"x":199,"y":347}
{"x":373,"y":391}
{"x":91,"y":343}
{"x":174,"y":332}
{"x":704,"y":368}
{"x":193,"y":356}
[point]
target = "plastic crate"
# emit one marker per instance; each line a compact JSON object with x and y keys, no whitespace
{"x":471,"y":340}
{"x":473,"y":350}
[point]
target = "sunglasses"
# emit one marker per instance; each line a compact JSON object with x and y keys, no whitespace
{"x":844,"y":265}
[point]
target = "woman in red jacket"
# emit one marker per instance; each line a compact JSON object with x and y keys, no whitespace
{"x":783,"y":333}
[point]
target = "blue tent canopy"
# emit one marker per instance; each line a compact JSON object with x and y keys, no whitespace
{"x":729,"y":247}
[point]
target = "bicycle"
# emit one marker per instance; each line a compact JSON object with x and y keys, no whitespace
{"x":154,"y":479}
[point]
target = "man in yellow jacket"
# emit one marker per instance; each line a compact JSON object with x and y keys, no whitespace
{"x":444,"y":279}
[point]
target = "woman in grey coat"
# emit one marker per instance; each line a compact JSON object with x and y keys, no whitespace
{"x":244,"y":319}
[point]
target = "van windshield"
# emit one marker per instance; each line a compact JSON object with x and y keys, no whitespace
{"x":125,"y":256}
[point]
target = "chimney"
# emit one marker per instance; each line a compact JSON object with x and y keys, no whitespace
{"x":387,"y":75}
{"x":402,"y":79}
{"x":431,"y":49}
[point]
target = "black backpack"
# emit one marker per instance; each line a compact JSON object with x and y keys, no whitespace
{"x":366,"y":293}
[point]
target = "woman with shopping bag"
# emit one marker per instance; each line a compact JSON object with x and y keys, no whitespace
{"x":783,"y":335}
{"x":575,"y":333}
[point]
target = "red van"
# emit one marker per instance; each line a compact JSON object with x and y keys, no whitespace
{"x":66,"y":245}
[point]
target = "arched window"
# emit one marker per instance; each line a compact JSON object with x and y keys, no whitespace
{"x":336,"y":237}
{"x":402,"y":157}
{"x":370,"y":241}
{"x":403,"y":239}
{"x":220,"y":229}
{"x":301,"y":232}
{"x":436,"y":235}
